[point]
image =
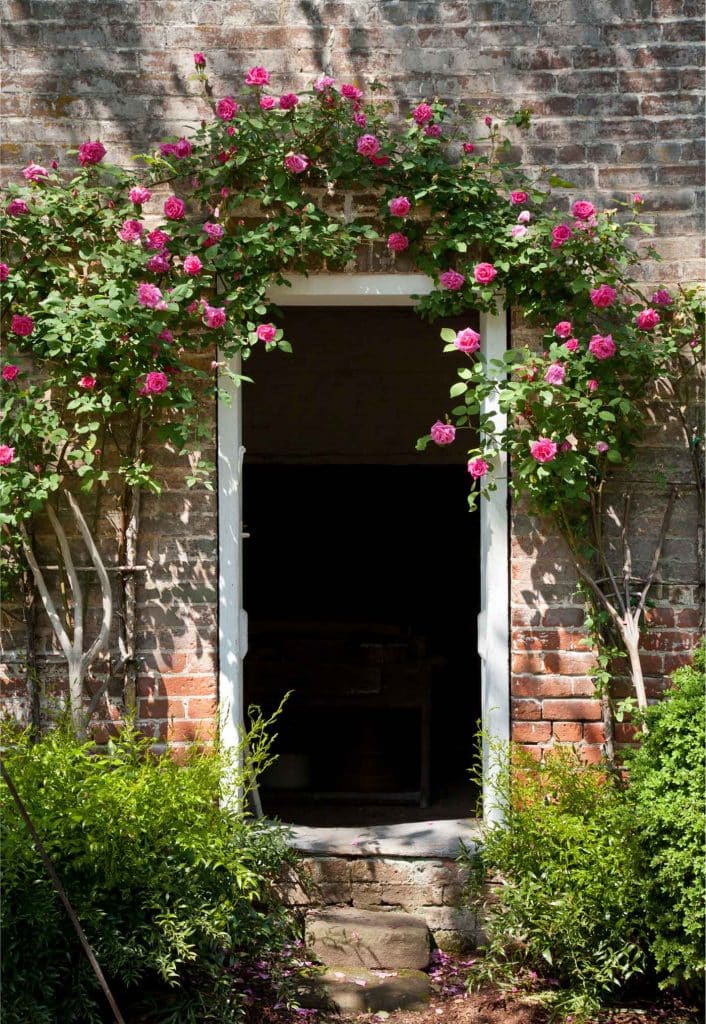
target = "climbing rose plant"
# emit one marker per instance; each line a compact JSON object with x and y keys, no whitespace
{"x":124,"y":294}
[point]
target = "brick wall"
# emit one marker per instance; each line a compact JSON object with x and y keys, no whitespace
{"x":616,"y":88}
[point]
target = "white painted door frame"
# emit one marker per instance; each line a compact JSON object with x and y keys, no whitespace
{"x":493,"y":621}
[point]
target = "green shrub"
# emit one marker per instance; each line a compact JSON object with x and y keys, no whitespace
{"x":667,"y":795}
{"x":174,"y":891}
{"x":567,"y":901}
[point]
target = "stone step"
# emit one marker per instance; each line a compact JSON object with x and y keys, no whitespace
{"x":363,"y":991}
{"x":345,"y":937}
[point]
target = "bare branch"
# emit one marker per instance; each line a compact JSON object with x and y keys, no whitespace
{"x":101,"y":640}
{"x":49,"y":606}
{"x":649,"y":578}
{"x":625,"y":543}
{"x":71,"y":575}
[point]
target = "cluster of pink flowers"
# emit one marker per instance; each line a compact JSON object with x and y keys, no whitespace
{"x":200,"y":60}
{"x":352,"y":92}
{"x":9,"y":372}
{"x":180,"y":149}
{"x":477,"y":467}
{"x":583,"y":210}
{"x":602,"y":346}
{"x":572,"y":345}
{"x":4,"y":271}
{"x":432,"y":131}
{"x":646,"y":319}
{"x":35,"y":172}
{"x":603,"y":296}
{"x":397,"y":242}
{"x":267,"y":103}
{"x":467,"y":340}
{"x":468,"y":147}
{"x":563,"y":329}
{"x":484,"y":273}
{"x":266,"y":333}
{"x":174,"y":208}
{"x":296,"y":163}
{"x":192,"y":265}
{"x":323,"y":83}
{"x":156,"y":381}
{"x":443,"y":433}
{"x":555,"y":373}
{"x":399,"y":206}
{"x":214,"y":316}
{"x":227,"y":108}
{"x":662,"y":298}
{"x":7,"y":455}
{"x":367,"y":145}
{"x":91,"y":153}
{"x":543,"y":449}
{"x":87,"y":382}
{"x":561,"y":234}
{"x":157,"y":239}
{"x":22,"y":326}
{"x":422,"y":113}
{"x":288,"y":101}
{"x":159,"y":263}
{"x":257,"y":76}
{"x":150,"y":295}
{"x":518,"y":231}
{"x":131,"y":231}
{"x":519,"y":197}
{"x":214,"y":232}
{"x":16,"y":208}
{"x":451,"y":280}
{"x":139,"y":195}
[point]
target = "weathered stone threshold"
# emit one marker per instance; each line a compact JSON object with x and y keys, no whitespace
{"x":418,"y":839}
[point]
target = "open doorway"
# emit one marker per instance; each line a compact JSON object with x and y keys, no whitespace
{"x":361,"y":572}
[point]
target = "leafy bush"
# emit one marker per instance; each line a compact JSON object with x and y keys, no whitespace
{"x":176,"y":892}
{"x":667,"y":794}
{"x":567,"y":901}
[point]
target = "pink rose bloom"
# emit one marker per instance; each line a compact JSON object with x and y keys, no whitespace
{"x":380,"y":161}
{"x":4,"y":271}
{"x":257,"y":76}
{"x":22,"y":326}
{"x":16,"y":207}
{"x":451,"y":280}
{"x":468,"y":147}
{"x":174,"y":208}
{"x":215,"y":316}
{"x":484,"y":273}
{"x":467,"y":340}
{"x":324,"y":82}
{"x":563,"y":329}
{"x":131,"y":231}
{"x":288,"y":100}
{"x":214,"y":231}
{"x":150,"y":295}
{"x":443,"y":433}
{"x":433,"y":131}
{"x":555,"y":374}
{"x":351,"y":92}
{"x":167,"y":149}
{"x":139,"y":195}
{"x":87,"y":383}
{"x":662,"y":298}
{"x":518,"y":231}
{"x":592,"y":385}
{"x":602,"y":347}
{"x":166,"y":335}
{"x":560,"y":234}
{"x":10,"y":371}
{"x":565,"y":446}
{"x":266,"y":333}
{"x":487,"y":121}
{"x":156,"y":382}
{"x":7,"y":455}
{"x":296,"y":163}
{"x":200,"y":60}
{"x":646,"y":319}
{"x":603,"y":296}
{"x":477,"y":467}
{"x":34,"y":172}
{"x":226,"y":108}
{"x":367,"y":145}
{"x":637,"y":199}
{"x":583,"y":210}
{"x":157,"y":239}
{"x":543,"y":449}
{"x":397,"y":241}
{"x":91,"y":153}
{"x":571,"y":345}
{"x":360,"y":119}
{"x":422,"y":113}
{"x":267,"y":102}
{"x":519,"y":197}
{"x":192,"y":265}
{"x":524,"y":217}
{"x":182,"y":148}
{"x":399,"y":206}
{"x":158,"y":264}
{"x":601,"y":447}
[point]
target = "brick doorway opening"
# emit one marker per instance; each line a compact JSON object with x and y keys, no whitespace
{"x":361,"y":572}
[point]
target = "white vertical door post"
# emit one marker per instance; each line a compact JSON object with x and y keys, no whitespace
{"x":232,"y":623}
{"x":493,"y":621}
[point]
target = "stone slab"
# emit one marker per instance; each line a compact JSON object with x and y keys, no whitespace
{"x":441,"y":839}
{"x":377,"y":939}
{"x":363,"y":991}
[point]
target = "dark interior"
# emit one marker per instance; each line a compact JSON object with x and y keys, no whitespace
{"x":361,"y":577}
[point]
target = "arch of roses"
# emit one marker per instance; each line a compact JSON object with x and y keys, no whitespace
{"x":119,"y":288}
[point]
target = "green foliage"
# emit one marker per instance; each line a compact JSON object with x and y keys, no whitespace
{"x":174,"y":890}
{"x":568,"y":901}
{"x":667,"y":798}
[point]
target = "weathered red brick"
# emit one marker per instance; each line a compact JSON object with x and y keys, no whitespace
{"x":571,"y":710}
